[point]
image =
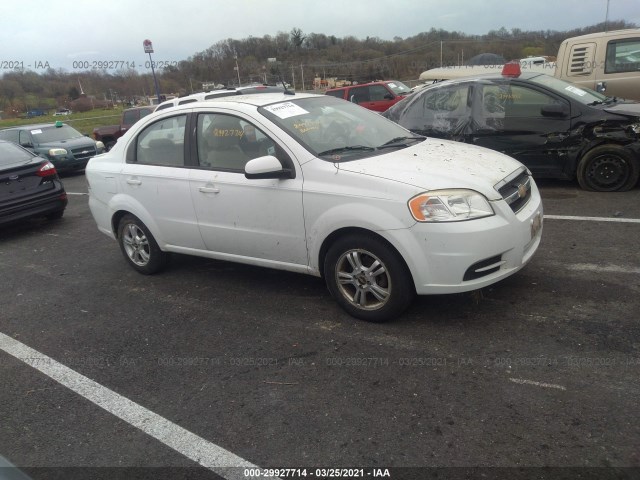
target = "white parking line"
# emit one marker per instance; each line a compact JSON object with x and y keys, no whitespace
{"x":207,"y":454}
{"x":593,"y":219}
{"x":537,"y":384}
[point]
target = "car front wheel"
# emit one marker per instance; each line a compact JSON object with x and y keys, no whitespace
{"x":368,"y":278}
{"x":608,"y":168}
{"x":139,"y":247}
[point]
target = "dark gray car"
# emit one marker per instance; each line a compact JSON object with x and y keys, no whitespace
{"x":61,"y":144}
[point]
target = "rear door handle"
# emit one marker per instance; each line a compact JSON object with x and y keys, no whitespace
{"x":134,"y":181}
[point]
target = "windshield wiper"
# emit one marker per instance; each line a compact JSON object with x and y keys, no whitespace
{"x":346,"y":149}
{"x":609,"y":100}
{"x":594,"y":103}
{"x":397,"y":142}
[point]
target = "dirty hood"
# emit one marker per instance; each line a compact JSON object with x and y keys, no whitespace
{"x":437,"y":164}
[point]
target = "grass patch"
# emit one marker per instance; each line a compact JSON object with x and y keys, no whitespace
{"x":84,"y":122}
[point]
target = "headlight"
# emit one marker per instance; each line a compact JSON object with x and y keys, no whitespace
{"x":635,"y":128}
{"x":56,"y":152}
{"x":99,"y":145}
{"x":449,"y":206}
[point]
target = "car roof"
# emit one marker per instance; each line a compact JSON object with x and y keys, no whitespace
{"x":249,"y":99}
{"x":490,"y":77}
{"x":32,"y":126}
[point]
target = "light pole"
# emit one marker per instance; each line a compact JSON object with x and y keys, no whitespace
{"x":148,"y":48}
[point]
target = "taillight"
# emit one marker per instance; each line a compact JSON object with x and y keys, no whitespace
{"x":46,"y":169}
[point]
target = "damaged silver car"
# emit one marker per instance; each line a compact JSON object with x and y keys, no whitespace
{"x":556,"y":129}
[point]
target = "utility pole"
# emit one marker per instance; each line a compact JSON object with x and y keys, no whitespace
{"x":293,"y":78}
{"x":237,"y":69}
{"x":606,"y":18}
{"x":148,"y":48}
{"x":302,"y":75}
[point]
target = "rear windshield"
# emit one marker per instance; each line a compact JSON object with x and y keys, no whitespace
{"x":54,"y":134}
{"x":10,"y":154}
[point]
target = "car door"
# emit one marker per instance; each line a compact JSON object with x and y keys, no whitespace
{"x":380,"y":98}
{"x":156,"y":179}
{"x":258,"y":220}
{"x":523,"y":122}
{"x":443,"y":112}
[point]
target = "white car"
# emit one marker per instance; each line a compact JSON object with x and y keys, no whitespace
{"x":316,"y":185}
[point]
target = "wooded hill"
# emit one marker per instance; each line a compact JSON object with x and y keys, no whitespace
{"x":298,"y":55}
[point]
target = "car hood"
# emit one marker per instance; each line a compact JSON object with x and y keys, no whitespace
{"x":440,"y":164}
{"x":69,"y":143}
{"x":630,"y":109}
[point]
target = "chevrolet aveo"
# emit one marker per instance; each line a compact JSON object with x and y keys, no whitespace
{"x":316,"y":185}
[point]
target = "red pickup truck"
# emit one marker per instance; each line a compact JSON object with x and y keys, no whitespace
{"x":110,"y":134}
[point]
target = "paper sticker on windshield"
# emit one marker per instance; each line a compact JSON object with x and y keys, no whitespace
{"x":575,"y":90}
{"x":392,"y":85}
{"x":36,"y":132}
{"x":286,"y":110}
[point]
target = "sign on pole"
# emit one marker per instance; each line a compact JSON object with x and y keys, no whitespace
{"x":148,"y":46}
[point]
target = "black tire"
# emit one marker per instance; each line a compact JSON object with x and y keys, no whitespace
{"x":608,"y":168}
{"x":374,"y":298}
{"x":139,"y":247}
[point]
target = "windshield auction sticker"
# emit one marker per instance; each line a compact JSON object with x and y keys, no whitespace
{"x":36,"y":132}
{"x":286,"y":110}
{"x":575,"y":90}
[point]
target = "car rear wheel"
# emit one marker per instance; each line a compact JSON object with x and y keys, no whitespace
{"x":608,"y":168}
{"x":139,"y":247}
{"x":368,"y":278}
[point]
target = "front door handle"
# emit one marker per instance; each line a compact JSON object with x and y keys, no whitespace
{"x":209,"y":189}
{"x":134,"y":181}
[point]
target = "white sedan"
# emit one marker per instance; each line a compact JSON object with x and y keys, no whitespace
{"x":316,"y":185}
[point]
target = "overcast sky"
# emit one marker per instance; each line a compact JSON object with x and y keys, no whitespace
{"x":61,"y":32}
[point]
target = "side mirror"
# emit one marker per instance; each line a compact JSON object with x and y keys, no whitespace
{"x":601,"y":87}
{"x":266,"y":167}
{"x":555,"y":110}
{"x":388,"y":96}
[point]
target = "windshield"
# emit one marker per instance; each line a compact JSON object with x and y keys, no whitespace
{"x":54,"y":134}
{"x":336,"y":130}
{"x":398,"y":88}
{"x":580,"y":94}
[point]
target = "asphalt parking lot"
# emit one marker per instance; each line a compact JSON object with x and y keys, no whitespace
{"x":218,"y":364}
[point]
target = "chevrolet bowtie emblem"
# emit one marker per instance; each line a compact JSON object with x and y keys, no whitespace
{"x":522,"y":191}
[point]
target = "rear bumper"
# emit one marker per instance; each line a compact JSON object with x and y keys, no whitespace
{"x":33,"y":207}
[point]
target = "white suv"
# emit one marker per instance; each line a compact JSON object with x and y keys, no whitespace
{"x":316,"y":185}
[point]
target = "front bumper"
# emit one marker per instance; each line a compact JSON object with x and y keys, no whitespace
{"x":457,"y":257}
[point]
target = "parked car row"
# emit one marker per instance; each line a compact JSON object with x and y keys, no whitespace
{"x":382,"y":210}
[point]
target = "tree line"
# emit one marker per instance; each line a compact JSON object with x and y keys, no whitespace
{"x":292,"y":57}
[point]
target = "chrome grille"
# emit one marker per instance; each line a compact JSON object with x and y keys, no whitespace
{"x":84,"y":153}
{"x":517,"y":192}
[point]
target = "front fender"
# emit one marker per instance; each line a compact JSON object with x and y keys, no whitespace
{"x":359,"y":214}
